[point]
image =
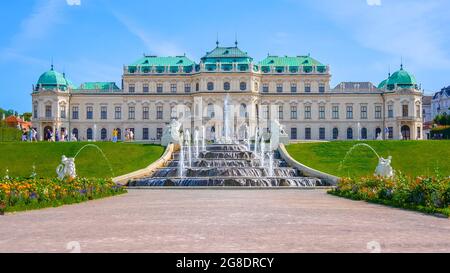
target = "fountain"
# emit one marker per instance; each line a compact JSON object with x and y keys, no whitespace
{"x":359,"y":131}
{"x":247,"y":137}
{"x":196,"y":143}
{"x":203,"y":138}
{"x":262,"y":147}
{"x":33,"y":173}
{"x":7,"y":174}
{"x":67,"y":167}
{"x":256,"y":141}
{"x":383,"y":168}
{"x":271,"y":163}
{"x":189,"y":147}
{"x":226,"y":108}
{"x":181,"y":160}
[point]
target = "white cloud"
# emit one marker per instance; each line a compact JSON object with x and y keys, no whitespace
{"x":374,"y":2}
{"x":73,"y":2}
{"x":154,"y":45}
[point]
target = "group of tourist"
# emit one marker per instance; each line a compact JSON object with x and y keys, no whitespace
{"x":30,"y":135}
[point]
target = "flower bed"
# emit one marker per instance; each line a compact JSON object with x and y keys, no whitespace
{"x":426,"y":194}
{"x":35,"y":193}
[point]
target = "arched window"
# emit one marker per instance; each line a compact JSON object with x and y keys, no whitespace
{"x":335,"y":133}
{"x":119,"y":134}
{"x":197,"y":87}
{"x":243,"y":86}
{"x":364,"y":133}
{"x":104,"y":134}
{"x":349,"y":133}
{"x":377,"y":132}
{"x":210,"y":86}
{"x":75,"y":132}
{"x":89,"y":134}
{"x":226,"y":86}
{"x":243,"y":110}
{"x":210,"y":110}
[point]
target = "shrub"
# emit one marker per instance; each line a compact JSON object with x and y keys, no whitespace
{"x":32,"y":193}
{"x":430,"y":194}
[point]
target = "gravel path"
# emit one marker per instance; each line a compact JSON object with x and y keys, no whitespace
{"x":224,"y":221}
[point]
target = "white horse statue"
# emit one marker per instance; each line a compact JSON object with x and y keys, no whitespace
{"x":384,"y":168}
{"x":66,"y":168}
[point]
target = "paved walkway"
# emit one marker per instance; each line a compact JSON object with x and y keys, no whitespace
{"x":224,"y":221}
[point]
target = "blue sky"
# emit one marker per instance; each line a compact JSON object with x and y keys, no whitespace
{"x":92,"y":39}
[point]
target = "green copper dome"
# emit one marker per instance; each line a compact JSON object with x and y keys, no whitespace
{"x":401,"y":78}
{"x":53,"y":79}
{"x":382,"y":84}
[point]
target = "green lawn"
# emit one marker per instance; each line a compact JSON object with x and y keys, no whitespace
{"x":19,"y":158}
{"x":413,"y":158}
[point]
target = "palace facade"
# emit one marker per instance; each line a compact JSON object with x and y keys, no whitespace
{"x":293,"y":89}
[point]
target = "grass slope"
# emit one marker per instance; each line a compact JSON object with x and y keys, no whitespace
{"x":413,"y":158}
{"x":19,"y":158}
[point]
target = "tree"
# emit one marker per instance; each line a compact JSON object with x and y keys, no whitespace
{"x":27,"y":116}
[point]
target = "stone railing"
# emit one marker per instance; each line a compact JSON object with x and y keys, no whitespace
{"x":307,"y":171}
{"x":148,"y":171}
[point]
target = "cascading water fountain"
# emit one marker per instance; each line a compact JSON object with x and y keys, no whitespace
{"x":226,"y":113}
{"x":263,"y":155}
{"x":247,"y":138}
{"x":203,"y":138}
{"x":196,"y":143}
{"x":256,"y":141}
{"x":181,"y":159}
{"x":189,"y":147}
{"x":271,"y":163}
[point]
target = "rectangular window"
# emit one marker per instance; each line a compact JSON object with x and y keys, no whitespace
{"x":335,"y":112}
{"x":145,"y":134}
{"x":293,"y":112}
{"x":131,"y":112}
{"x":131,"y":88}
{"x":307,"y":133}
{"x":363,"y":112}
{"x":159,"y":112}
{"x":307,"y":88}
{"x":321,"y":112}
{"x":145,"y":113}
{"x":293,"y":133}
{"x":280,"y":112}
{"x":265,"y":88}
{"x":279,"y":87}
{"x":349,"y":112}
{"x":159,"y":132}
{"x":307,"y":112}
{"x":419,"y":132}
{"x":187,"y":88}
{"x":321,"y":88}
{"x":75,"y":112}
{"x":321,"y":133}
{"x":293,"y":88}
{"x":118,"y":112}
{"x":173,"y":88}
{"x":265,"y":111}
{"x":104,"y":112}
{"x":159,"y":88}
{"x":89,"y":112}
{"x":390,"y":111}
{"x":405,"y":110}
{"x":35,"y":111}
{"x":48,"y":111}
{"x":378,"y":112}
{"x":418,"y":111}
{"x":145,"y":88}
{"x":390,"y":132}
{"x":63,"y":111}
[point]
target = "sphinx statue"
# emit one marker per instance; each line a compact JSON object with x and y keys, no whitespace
{"x":171,"y":133}
{"x":66,"y":168}
{"x":384,"y":168}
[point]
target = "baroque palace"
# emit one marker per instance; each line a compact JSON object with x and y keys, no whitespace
{"x":295,"y":90}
